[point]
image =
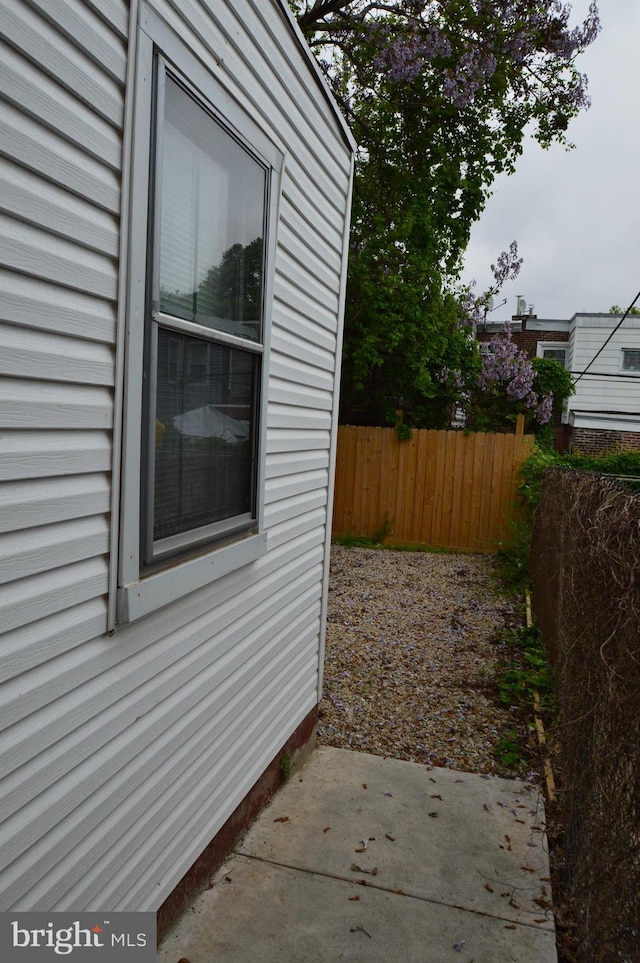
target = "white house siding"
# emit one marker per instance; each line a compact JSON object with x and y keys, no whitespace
{"x":604,"y":391}
{"x":122,"y":755}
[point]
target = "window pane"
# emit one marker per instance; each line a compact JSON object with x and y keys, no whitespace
{"x":630,"y":359}
{"x":556,"y":354}
{"x":211,"y":221}
{"x":204,"y":434}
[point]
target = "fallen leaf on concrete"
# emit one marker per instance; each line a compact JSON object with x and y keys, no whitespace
{"x":358,"y":929}
{"x":388,"y":793}
{"x":326,"y":829}
{"x":488,"y":888}
{"x":458,"y":945}
{"x":510,"y":926}
{"x":360,"y":869}
{"x":436,"y":796}
{"x":528,"y":869}
{"x":354,"y":898}
{"x":281,"y":819}
{"x":433,"y":815}
{"x":543,"y":903}
{"x":389,"y":837}
{"x":228,"y":879}
{"x":361,"y":849}
{"x":364,"y":785}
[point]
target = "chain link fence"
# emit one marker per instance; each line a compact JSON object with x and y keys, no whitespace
{"x":586,"y":580}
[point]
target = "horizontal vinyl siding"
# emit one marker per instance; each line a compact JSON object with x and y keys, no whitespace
{"x":62,"y":85}
{"x":38,"y":356}
{"x":616,"y":391}
{"x":31,"y":303}
{"x":122,"y":756}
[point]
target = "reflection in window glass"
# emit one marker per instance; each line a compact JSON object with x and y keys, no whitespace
{"x":555,"y":354}
{"x":211,"y":222}
{"x":204,"y":434}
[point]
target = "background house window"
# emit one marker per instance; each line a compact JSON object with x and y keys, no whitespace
{"x":631,"y":359}
{"x":554,"y":352}
{"x":203,"y":353}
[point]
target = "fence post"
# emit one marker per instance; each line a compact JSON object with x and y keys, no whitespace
{"x":520,"y":426}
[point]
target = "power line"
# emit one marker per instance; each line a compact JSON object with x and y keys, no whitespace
{"x":608,"y":339}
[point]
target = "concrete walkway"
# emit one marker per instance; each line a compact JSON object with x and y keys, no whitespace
{"x":371,"y":860}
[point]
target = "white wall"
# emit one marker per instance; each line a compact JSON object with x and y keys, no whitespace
{"x":605,"y":388}
{"x":123,"y":755}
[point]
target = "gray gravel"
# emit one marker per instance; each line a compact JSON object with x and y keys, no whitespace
{"x":410,"y":665}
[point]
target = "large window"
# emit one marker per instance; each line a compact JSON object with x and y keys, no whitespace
{"x":204,"y":338}
{"x":204,"y":189}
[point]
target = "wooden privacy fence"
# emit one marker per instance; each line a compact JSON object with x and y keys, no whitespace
{"x":448,"y":489}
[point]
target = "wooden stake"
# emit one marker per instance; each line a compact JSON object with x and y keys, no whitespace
{"x":542,"y":740}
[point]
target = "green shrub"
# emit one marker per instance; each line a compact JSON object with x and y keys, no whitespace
{"x":513,"y":557}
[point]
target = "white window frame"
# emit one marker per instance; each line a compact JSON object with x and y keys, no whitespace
{"x":139,"y":594}
{"x":625,"y":370}
{"x":543,"y":346}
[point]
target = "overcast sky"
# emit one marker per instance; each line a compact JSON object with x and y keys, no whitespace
{"x":576,"y":214}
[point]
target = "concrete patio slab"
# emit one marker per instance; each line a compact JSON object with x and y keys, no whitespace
{"x":363,"y":858}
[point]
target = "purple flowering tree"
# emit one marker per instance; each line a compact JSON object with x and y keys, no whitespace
{"x":505,"y":387}
{"x":439,"y":94}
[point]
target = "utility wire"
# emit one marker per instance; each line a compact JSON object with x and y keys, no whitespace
{"x":608,"y":339}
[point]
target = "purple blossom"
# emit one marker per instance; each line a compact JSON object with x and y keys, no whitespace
{"x":403,"y":56}
{"x":506,"y":368}
{"x":507,"y":266}
{"x":420,"y":36}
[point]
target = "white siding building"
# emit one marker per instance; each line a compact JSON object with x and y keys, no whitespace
{"x":605,"y":361}
{"x":175,"y":203}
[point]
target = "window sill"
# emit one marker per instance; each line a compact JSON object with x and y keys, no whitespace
{"x":140,"y":598}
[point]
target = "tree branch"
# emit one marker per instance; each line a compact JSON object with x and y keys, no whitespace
{"x":322,"y":9}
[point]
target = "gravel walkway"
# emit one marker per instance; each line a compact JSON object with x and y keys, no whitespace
{"x":410,"y":666}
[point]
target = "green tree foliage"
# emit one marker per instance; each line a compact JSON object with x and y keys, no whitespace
{"x":438,"y":95}
{"x":551,"y":377}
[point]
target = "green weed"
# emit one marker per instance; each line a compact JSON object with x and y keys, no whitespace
{"x":287,"y":765}
{"x":508,"y":751}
